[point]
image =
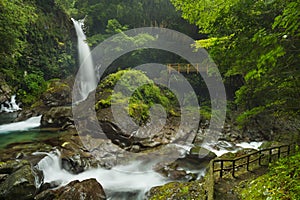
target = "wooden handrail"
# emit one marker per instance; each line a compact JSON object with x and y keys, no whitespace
{"x":235,"y":165}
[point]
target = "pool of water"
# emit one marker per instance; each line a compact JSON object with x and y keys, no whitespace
{"x":20,"y":132}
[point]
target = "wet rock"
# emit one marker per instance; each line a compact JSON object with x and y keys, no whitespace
{"x":57,"y":94}
{"x":58,"y":117}
{"x":86,"y":190}
{"x":20,"y":184}
{"x":11,"y":166}
{"x":5,"y":90}
{"x":79,"y":153}
{"x":201,"y":154}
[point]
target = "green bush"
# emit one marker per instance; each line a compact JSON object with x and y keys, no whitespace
{"x":31,"y":89}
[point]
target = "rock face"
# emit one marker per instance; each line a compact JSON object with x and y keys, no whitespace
{"x":5,"y":90}
{"x":20,"y":184}
{"x":86,"y":190}
{"x":57,"y":94}
{"x":58,"y":117}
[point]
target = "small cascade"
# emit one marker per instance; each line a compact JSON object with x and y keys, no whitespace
{"x":130,"y":181}
{"x":11,"y":106}
{"x":226,"y":147}
{"x":32,"y":122}
{"x":87,"y":78}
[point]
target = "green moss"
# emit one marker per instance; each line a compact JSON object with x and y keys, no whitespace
{"x":138,"y":92}
{"x":178,"y":190}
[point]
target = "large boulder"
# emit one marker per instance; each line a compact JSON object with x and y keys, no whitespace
{"x":88,"y":189}
{"x":57,"y":94}
{"x":20,"y":184}
{"x":58,"y":117}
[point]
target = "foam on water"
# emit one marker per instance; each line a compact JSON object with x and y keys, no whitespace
{"x":32,"y":122}
{"x":11,"y":106}
{"x":227,"y":147}
{"x":119,"y":179}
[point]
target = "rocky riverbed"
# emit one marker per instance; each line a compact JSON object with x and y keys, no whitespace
{"x":173,"y":164}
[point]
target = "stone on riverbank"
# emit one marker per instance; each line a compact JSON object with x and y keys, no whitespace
{"x":20,"y":184}
{"x":88,"y":189}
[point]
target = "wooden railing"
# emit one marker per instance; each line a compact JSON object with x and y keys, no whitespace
{"x":186,"y":68}
{"x":265,"y":155}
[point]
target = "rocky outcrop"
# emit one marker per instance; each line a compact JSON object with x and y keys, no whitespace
{"x":20,"y":183}
{"x":57,"y":94}
{"x":86,"y":190}
{"x":58,"y":117}
{"x":5,"y":90}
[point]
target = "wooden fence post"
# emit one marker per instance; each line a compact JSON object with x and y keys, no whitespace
{"x":259,"y":159}
{"x":221,"y":170}
{"x":233,"y":168}
{"x":248,"y":159}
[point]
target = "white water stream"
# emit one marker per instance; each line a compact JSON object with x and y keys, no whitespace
{"x":32,"y":122}
{"x":11,"y":106}
{"x":120,"y":182}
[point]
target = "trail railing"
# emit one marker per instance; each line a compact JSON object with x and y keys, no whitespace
{"x":260,"y":158}
{"x":186,"y":68}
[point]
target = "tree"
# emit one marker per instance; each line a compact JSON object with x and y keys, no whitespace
{"x":256,"y":42}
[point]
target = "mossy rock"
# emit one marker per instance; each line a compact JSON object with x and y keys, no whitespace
{"x":58,"y":93}
{"x":178,"y":190}
{"x":20,"y":185}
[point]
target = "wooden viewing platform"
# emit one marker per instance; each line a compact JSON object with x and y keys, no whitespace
{"x":186,"y":68}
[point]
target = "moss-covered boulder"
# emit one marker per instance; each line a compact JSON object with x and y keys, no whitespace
{"x":58,"y":93}
{"x":20,"y":184}
{"x":178,"y":190}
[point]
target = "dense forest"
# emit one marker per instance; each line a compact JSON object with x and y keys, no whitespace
{"x":255,"y":44}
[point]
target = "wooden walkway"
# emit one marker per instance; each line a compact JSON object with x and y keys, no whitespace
{"x":186,"y":68}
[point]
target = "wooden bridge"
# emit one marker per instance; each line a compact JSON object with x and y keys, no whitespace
{"x":186,"y":68}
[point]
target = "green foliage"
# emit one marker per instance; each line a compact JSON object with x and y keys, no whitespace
{"x":33,"y":86}
{"x":139,"y":99}
{"x":255,"y":44}
{"x":15,"y":17}
{"x":281,"y":182}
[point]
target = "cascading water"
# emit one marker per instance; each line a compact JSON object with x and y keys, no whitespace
{"x":121,"y":182}
{"x":11,"y":106}
{"x":87,"y":80}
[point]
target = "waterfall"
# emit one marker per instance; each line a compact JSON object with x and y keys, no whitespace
{"x":11,"y":106}
{"x":87,"y":80}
